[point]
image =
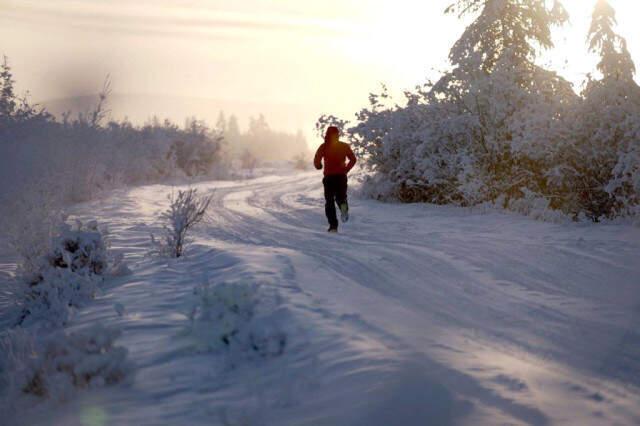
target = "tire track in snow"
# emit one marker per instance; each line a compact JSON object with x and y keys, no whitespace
{"x":464,"y":293}
{"x":495,"y":309}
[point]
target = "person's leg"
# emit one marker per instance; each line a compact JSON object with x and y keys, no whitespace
{"x":341,"y":197}
{"x":330,"y":197}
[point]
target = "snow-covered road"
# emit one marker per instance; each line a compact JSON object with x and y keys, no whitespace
{"x":412,"y":315}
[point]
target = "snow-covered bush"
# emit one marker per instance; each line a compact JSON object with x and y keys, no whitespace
{"x":53,"y":366}
{"x":81,"y":249}
{"x":417,"y":151}
{"x":58,"y":293}
{"x":79,"y":360}
{"x":66,"y":276}
{"x":328,"y":120}
{"x":17,"y":347}
{"x":223,"y":309}
{"x":186,"y":210}
{"x":498,"y":128}
{"x":31,"y":222}
{"x":466,"y":147}
{"x":597,"y":168}
{"x":118,"y":266}
{"x":238,"y":317}
{"x":519,"y":110}
{"x":535,"y":206}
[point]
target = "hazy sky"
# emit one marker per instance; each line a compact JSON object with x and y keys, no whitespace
{"x":323,"y":56}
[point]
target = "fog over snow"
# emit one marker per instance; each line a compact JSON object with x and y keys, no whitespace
{"x":298,"y":59}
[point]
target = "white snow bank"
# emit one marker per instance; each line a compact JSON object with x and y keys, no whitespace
{"x":414,"y":313}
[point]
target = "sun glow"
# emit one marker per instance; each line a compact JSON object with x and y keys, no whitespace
{"x":318,"y":57}
{"x":570,"y":57}
{"x":409,"y":41}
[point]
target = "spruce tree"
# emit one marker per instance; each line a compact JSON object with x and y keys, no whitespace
{"x":221,"y":124}
{"x":602,"y":159}
{"x":496,"y":83}
{"x":233,"y":128}
{"x":517,"y":27}
{"x":615,"y":60}
{"x":7,"y":95}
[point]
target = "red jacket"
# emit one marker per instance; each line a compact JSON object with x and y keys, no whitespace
{"x":335,"y":155}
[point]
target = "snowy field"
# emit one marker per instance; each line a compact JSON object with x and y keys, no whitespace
{"x":412,"y":315}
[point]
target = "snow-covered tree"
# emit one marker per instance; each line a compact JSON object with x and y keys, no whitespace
{"x":258,"y":127}
{"x":518,"y":111}
{"x":510,"y":32}
{"x":514,"y":104}
{"x":500,"y":128}
{"x":598,"y":168}
{"x":7,"y":95}
{"x":14,"y":108}
{"x":486,"y":130}
{"x":615,"y":59}
{"x":516,"y":27}
{"x":233,"y":128}
{"x":221,"y":123}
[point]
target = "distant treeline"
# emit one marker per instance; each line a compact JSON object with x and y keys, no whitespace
{"x":76,"y":157}
{"x":259,"y":142}
{"x":73,"y":158}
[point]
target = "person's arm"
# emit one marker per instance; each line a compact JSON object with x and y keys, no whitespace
{"x":352,"y":159}
{"x":317,"y":160}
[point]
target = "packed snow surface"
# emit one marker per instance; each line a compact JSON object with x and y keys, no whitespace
{"x":411,"y":315}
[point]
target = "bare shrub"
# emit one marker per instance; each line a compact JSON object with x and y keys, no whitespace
{"x":187,"y":209}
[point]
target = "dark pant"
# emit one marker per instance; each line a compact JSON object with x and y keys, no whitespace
{"x":335,"y":191}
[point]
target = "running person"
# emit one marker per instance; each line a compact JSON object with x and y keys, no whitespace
{"x":335,"y":155}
